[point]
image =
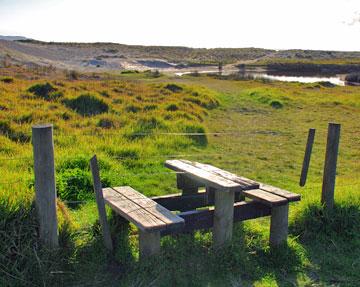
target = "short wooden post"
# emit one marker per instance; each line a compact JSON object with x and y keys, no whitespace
{"x":332,"y":148}
{"x":223,"y":217}
{"x":45,"y":188}
{"x":279,"y":224}
{"x":149,"y":243}
{"x":307,"y":156}
{"x":100,"y":203}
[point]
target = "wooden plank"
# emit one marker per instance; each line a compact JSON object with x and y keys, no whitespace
{"x":204,"y":219}
{"x":280,"y":192}
{"x":307,"y":156}
{"x":203,"y":176}
{"x":265,"y":197}
{"x":181,"y":202}
{"x":100,"y":204}
{"x":223,"y":217}
{"x":245,"y":183}
{"x":160,"y":212}
{"x":134,"y":213}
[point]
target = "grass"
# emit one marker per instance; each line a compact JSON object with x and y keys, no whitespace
{"x":258,"y":141}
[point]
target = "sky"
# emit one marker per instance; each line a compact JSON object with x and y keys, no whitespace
{"x":273,"y":24}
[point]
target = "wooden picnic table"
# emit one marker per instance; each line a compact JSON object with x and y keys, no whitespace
{"x":221,"y":187}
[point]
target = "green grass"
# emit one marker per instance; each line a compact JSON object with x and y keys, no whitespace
{"x":260,"y":140}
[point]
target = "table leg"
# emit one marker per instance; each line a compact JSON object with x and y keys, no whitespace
{"x":223,"y":217}
{"x":279,"y":224}
{"x":149,"y":243}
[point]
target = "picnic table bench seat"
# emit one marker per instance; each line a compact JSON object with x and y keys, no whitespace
{"x":147,"y":215}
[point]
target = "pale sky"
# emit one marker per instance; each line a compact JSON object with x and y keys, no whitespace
{"x":275,"y":24}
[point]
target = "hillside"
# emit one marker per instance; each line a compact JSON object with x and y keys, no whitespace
{"x":111,"y":56}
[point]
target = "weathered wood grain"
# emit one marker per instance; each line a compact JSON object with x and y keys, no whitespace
{"x":244,"y":182}
{"x":332,"y":149}
{"x":223,"y":217}
{"x":265,"y":197}
{"x":134,"y":213}
{"x":151,"y":206}
{"x":280,"y":192}
{"x":149,"y":243}
{"x":45,"y":188}
{"x":204,"y":177}
{"x":279,"y":224}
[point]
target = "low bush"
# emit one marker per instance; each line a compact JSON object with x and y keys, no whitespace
{"x":87,"y":105}
{"x":105,"y":123}
{"x":172,"y":108}
{"x":196,"y":133}
{"x":173,"y":88}
{"x":45,"y":91}
{"x":276,"y":104}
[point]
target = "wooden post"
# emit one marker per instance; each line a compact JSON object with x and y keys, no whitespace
{"x":187,"y":186}
{"x":279,"y":224}
{"x":100,"y":203}
{"x":332,"y":148}
{"x":306,"y":162}
{"x":45,"y":188}
{"x":223,"y":217}
{"x":149,"y":243}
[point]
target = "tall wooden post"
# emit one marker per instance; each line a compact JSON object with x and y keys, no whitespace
{"x":332,"y":148}
{"x":307,"y":156}
{"x":45,"y":188}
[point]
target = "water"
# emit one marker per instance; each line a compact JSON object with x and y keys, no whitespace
{"x":335,"y":79}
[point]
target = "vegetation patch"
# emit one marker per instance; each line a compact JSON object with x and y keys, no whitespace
{"x":276,"y":104}
{"x":7,"y":80}
{"x":6,"y":130}
{"x":173,"y":88}
{"x":45,"y":91}
{"x":87,"y":105}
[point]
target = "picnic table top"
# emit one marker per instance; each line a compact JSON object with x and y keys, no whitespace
{"x":223,"y":180}
{"x":212,"y":176}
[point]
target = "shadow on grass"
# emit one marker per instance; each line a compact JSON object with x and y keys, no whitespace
{"x":332,"y":242}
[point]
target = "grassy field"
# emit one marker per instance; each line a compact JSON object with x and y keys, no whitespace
{"x":126,"y":120}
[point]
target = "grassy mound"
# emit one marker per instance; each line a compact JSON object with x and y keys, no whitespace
{"x":87,"y":105}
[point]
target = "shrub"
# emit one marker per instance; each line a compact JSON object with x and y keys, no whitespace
{"x":74,"y":184}
{"x":132,"y":109}
{"x":150,"y":107}
{"x":174,"y":88}
{"x":172,"y":108}
{"x":7,"y":80}
{"x":45,"y":91}
{"x":104,"y":94}
{"x":276,"y":104}
{"x":105,"y":123}
{"x":6,"y":130}
{"x":72,"y":75}
{"x":87,"y":105}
